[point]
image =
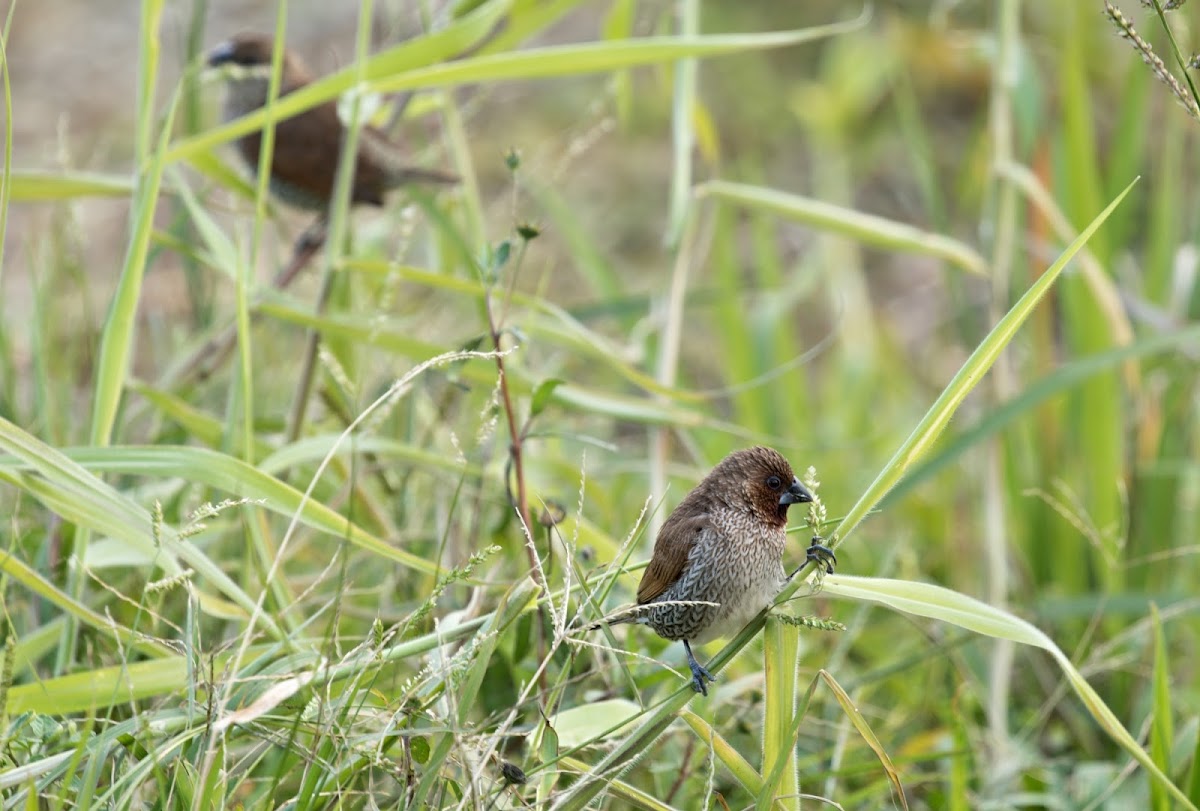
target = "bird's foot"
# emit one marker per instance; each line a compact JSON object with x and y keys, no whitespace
{"x":312,"y":238}
{"x":821,"y":555}
{"x":700,"y":676}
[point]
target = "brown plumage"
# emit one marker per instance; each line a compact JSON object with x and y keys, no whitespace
{"x":723,"y":544}
{"x":307,"y":146}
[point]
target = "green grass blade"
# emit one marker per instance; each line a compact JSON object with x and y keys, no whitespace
{"x":939,"y":415}
{"x":860,"y":724}
{"x":117,"y":340}
{"x":77,"y":495}
{"x":6,"y":182}
{"x":90,"y":690}
{"x":233,"y":476}
{"x":781,"y":652}
{"x":536,"y":63}
{"x":1034,"y":395}
{"x":726,"y":753}
{"x":35,"y":185}
{"x":39,"y":585}
{"x":945,"y":605}
{"x":867,"y":228}
{"x":460,"y":36}
{"x":1162,"y":735}
{"x":683,"y":135}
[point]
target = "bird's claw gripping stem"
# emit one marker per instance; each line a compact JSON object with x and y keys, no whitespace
{"x":821,"y":555}
{"x":699,"y":675}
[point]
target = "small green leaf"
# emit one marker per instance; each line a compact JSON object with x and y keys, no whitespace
{"x":541,"y":395}
{"x":549,"y":754}
{"x":419,"y":749}
{"x":500,"y":255}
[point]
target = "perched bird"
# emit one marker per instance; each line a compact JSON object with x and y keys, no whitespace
{"x":307,"y":145}
{"x":723,"y":544}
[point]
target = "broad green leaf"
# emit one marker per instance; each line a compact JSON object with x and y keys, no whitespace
{"x":945,"y":605}
{"x":541,"y":395}
{"x":580,"y":725}
{"x":104,"y":687}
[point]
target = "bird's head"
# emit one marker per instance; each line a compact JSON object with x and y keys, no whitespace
{"x":247,"y":50}
{"x":761,"y":481}
{"x":246,"y":61}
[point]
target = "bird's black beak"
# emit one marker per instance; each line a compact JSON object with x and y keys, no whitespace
{"x":221,"y":54}
{"x":796,"y":494}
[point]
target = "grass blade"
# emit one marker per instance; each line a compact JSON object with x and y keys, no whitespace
{"x":939,"y":415}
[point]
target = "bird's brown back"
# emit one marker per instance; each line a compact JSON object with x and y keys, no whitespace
{"x":304,"y":157}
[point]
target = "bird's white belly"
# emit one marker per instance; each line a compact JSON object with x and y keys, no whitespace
{"x":735,"y":613}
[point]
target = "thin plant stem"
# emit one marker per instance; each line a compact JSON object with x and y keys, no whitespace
{"x":995,"y":530}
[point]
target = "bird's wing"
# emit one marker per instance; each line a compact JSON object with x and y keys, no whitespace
{"x":671,"y":549}
{"x":308,"y":147}
{"x":305,"y":151}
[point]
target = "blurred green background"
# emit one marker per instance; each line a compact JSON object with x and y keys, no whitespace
{"x":797,"y":245}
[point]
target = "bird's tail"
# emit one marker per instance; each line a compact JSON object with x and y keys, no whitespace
{"x":403,"y":175}
{"x":393,"y":162}
{"x":619,"y":619}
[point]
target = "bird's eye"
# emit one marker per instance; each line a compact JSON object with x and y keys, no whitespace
{"x":774,"y":482}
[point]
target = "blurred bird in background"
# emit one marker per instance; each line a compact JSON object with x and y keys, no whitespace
{"x":307,"y":145}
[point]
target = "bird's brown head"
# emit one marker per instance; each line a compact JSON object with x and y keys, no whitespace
{"x":247,"y":50}
{"x":761,"y":481}
{"x":250,"y":74}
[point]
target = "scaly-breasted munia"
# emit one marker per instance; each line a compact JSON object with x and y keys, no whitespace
{"x":723,"y":544}
{"x":305,"y":154}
